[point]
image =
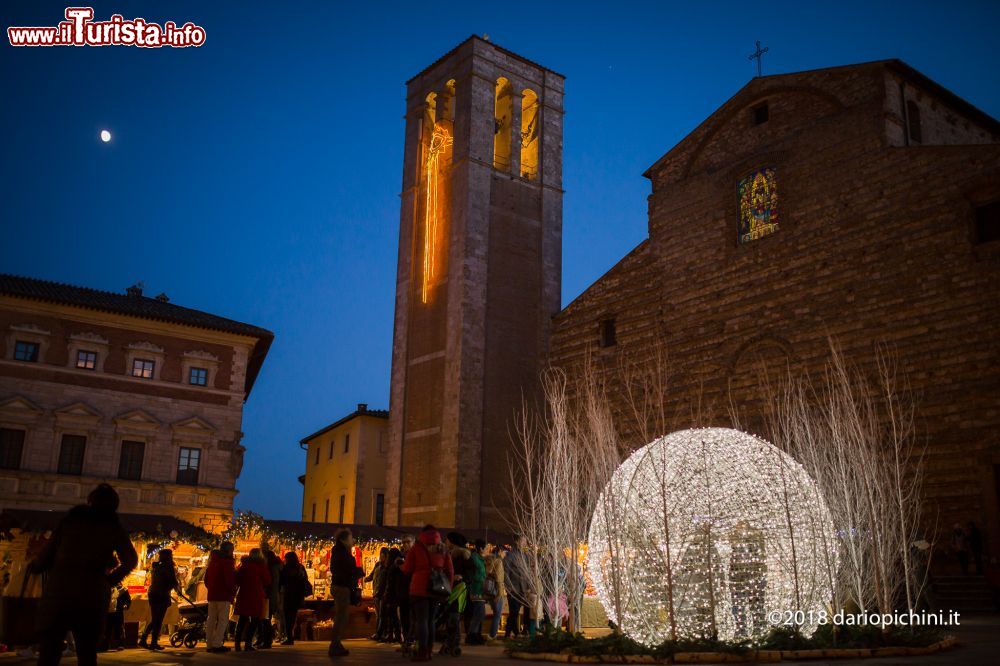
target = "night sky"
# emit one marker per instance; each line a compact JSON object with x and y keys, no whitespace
{"x":257,"y":177}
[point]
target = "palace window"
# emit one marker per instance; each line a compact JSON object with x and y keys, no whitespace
{"x":130,"y":461}
{"x":326,"y":511}
{"x":26,"y":351}
{"x":143,"y":368}
{"x":187,"y":466}
{"x":198,"y":376}
{"x":988,"y":223}
{"x":71,"y":454}
{"x":317,"y":454}
{"x":347,"y":442}
{"x":329,"y":455}
{"x":86,"y":360}
{"x":11,"y":448}
{"x":379,"y":508}
{"x":761,"y":114}
{"x":913,"y":127}
{"x":343,"y":500}
{"x":313,"y":519}
{"x":609,"y":334}
{"x":758,"y":201}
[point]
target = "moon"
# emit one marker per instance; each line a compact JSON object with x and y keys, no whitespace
{"x":105,"y":136}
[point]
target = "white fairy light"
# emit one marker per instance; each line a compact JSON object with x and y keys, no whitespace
{"x":707,"y":533}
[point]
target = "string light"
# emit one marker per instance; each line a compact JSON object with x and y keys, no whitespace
{"x":440,"y":140}
{"x":704,"y":534}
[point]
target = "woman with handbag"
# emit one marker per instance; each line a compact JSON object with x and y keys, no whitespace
{"x":494,"y":589}
{"x":431,"y":576}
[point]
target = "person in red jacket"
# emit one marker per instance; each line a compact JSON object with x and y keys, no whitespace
{"x":253,"y":578}
{"x":220,"y":581}
{"x":428,"y":554}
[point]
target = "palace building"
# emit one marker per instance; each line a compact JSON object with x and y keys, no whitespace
{"x":860,"y":202}
{"x":124,"y":388}
{"x":344,"y":481}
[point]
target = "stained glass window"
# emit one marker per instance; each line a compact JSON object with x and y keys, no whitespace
{"x":758,"y":194}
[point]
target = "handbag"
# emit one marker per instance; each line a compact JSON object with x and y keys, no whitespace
{"x":307,"y":587}
{"x":438,"y":584}
{"x":490,"y":588}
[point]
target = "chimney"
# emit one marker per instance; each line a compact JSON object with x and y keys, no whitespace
{"x":136,"y":289}
{"x":163,"y":298}
{"x":362,"y":407}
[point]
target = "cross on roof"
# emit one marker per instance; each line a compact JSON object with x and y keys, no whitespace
{"x":756,"y":55}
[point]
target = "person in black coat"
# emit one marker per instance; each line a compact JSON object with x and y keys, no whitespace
{"x":344,"y":576}
{"x":163,"y":581}
{"x":293,"y":582}
{"x":391,"y":631}
{"x":121,"y":600}
{"x":77,"y":588}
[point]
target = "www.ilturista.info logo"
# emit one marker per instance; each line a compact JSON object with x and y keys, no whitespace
{"x":79,"y":29}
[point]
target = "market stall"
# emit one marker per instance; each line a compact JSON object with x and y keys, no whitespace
{"x":313,"y":543}
{"x":24,"y":533}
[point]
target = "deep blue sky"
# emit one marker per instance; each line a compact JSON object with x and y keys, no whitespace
{"x":257,"y":177}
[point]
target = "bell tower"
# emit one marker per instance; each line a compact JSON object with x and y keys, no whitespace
{"x":478,"y":279}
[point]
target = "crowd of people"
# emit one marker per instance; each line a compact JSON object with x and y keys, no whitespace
{"x":424,"y":590}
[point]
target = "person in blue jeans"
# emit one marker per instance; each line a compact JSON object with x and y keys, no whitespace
{"x":495,"y":589}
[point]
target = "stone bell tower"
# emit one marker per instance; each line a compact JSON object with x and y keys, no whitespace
{"x":478,"y":280}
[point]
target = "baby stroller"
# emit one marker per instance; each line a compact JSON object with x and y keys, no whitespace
{"x":192,"y":626}
{"x":450,"y":615}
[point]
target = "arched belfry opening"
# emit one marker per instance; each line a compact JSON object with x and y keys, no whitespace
{"x":503,"y":124}
{"x":434,"y":210}
{"x":530,"y":132}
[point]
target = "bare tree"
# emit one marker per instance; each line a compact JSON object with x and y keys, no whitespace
{"x":855,"y":435}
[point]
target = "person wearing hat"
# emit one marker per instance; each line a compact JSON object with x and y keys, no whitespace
{"x":427,"y":559}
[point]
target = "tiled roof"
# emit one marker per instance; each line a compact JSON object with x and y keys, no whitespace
{"x":362,"y":410}
{"x":136,"y":306}
{"x":139,"y":306}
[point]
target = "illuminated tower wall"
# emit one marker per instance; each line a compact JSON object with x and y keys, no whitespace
{"x":478,"y":281}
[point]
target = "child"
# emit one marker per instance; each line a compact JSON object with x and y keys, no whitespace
{"x":452,"y":610}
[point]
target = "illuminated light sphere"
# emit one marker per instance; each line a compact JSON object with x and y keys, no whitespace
{"x":706,"y":533}
{"x":105,"y":136}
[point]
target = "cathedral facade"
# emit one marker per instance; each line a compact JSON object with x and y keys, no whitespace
{"x":858,"y":203}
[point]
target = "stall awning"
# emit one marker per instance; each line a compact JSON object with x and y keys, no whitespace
{"x":146,"y":524}
{"x":297,"y":530}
